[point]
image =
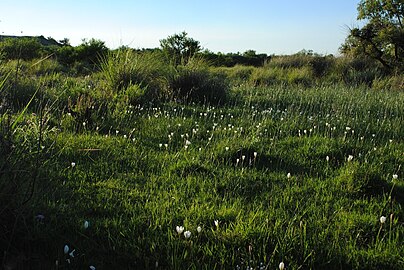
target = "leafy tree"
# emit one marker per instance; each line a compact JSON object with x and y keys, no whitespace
{"x":382,"y":37}
{"x":180,"y":48}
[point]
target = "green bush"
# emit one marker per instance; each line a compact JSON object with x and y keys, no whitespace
{"x":195,"y":83}
{"x":395,"y":83}
{"x":124,"y":68}
{"x":20,"y":48}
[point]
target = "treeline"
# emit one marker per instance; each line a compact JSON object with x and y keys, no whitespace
{"x":89,"y":52}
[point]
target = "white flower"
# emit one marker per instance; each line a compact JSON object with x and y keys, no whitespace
{"x":216,"y":223}
{"x":395,"y":176}
{"x":187,"y":142}
{"x":179,"y":229}
{"x":227,"y":148}
{"x":187,"y":234}
{"x":382,"y":219}
{"x":288,"y":175}
{"x":327,"y":158}
{"x":66,"y":249}
{"x":73,"y":164}
{"x":281,"y":266}
{"x":86,"y":224}
{"x":199,"y":229}
{"x":72,"y":253}
{"x":92,"y":267}
{"x":350,"y":158}
{"x":255,"y":154}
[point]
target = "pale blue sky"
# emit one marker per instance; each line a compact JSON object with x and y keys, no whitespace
{"x":271,"y":26}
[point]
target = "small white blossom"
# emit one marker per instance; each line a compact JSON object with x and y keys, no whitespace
{"x":350,"y":158}
{"x":199,"y":229}
{"x":73,"y":164}
{"x":86,"y":224}
{"x":187,"y":234}
{"x":216,"y":223}
{"x":71,"y":254}
{"x":179,"y":229}
{"x":382,"y":219}
{"x":66,"y":249}
{"x":395,"y":176}
{"x":92,"y":267}
{"x":281,"y":266}
{"x":288,"y":175}
{"x":327,"y":158}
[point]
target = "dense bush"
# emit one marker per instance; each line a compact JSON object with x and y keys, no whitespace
{"x":20,"y":48}
{"x":194,"y":82}
{"x":146,"y":72}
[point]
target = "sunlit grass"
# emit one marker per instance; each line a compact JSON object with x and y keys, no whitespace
{"x":278,"y":174}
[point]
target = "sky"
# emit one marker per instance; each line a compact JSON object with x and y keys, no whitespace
{"x":266,"y":26}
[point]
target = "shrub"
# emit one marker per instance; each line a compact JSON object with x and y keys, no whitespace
{"x":395,"y":82}
{"x":20,"y":48}
{"x":125,"y":69}
{"x":195,"y":83}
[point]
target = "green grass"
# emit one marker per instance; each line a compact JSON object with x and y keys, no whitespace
{"x":271,"y":167}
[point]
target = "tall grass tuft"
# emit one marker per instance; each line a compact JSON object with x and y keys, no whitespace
{"x":125,"y":69}
{"x":194,"y":82}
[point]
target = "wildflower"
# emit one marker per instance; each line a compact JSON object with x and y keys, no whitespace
{"x":227,"y":148}
{"x":199,"y":229}
{"x":160,"y":145}
{"x":40,"y":217}
{"x":92,"y":267}
{"x":179,"y":229}
{"x":255,"y":154}
{"x":187,"y":142}
{"x":288,"y":175}
{"x":216,"y":223}
{"x":243,"y":157}
{"x":86,"y":224}
{"x":73,"y":164}
{"x":187,"y":234}
{"x":327,"y":158}
{"x":66,"y":249}
{"x":382,"y":219}
{"x":71,"y":254}
{"x":350,"y":158}
{"x":395,"y":176}
{"x":281,"y":266}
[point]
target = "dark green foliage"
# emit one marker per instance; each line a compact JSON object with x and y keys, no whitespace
{"x":180,"y":48}
{"x":20,"y":48}
{"x":195,"y":83}
{"x":382,"y":37}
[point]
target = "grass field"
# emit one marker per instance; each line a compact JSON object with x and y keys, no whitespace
{"x":307,"y":176}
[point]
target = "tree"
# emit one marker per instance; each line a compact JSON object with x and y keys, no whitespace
{"x":382,"y":37}
{"x":180,"y":48}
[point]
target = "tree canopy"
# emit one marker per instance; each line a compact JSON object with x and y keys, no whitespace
{"x":382,"y":36}
{"x":179,"y":47}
